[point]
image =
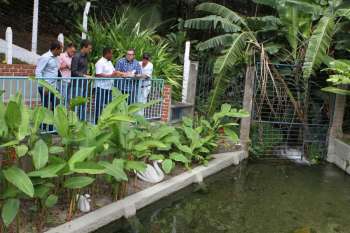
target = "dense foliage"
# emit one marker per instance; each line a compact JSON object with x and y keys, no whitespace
{"x":118,"y":34}
{"x":340,"y":76}
{"x":35,"y":167}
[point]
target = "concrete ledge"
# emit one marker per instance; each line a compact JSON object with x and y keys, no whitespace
{"x":339,"y":154}
{"x":128,"y":206}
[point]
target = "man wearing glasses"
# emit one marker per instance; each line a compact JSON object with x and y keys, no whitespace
{"x":129,"y":68}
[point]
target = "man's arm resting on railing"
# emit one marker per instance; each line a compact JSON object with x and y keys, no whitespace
{"x":113,"y":75}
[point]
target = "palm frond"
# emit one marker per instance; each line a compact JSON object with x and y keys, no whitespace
{"x":215,"y":42}
{"x":212,"y":22}
{"x":233,"y":54}
{"x":290,"y":19}
{"x":343,"y":12}
{"x":270,"y":3}
{"x":222,"y":11}
{"x":318,"y":45}
{"x":304,"y":6}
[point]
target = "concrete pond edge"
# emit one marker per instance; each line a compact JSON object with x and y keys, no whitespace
{"x":128,"y":206}
{"x":339,"y":154}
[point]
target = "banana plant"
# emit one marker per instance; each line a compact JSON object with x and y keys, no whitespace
{"x":340,"y":75}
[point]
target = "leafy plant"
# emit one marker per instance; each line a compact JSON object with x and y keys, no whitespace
{"x":118,"y":34}
{"x":340,"y":75}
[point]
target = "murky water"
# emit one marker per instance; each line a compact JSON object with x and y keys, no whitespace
{"x":257,"y":197}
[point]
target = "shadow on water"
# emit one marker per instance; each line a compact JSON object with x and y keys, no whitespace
{"x":275,"y":196}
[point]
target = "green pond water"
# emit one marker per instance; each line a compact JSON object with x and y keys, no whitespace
{"x":256,"y":197}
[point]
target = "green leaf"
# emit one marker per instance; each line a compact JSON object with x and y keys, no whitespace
{"x":9,"y":211}
{"x":78,"y":182}
{"x":88,"y":167}
{"x":144,"y":145}
{"x":9,"y":144}
{"x":80,"y":156}
{"x":232,"y":56}
{"x":13,"y":115}
{"x":115,"y":170}
{"x":19,"y":178}
{"x":178,"y":157}
{"x":167,"y":165}
{"x":61,"y":121}
{"x":231,"y":135}
{"x":49,"y":87}
{"x":47,"y":172}
{"x":216,"y":42}
{"x":40,"y":154}
{"x":336,"y":90}
{"x":222,"y":11}
{"x":21,"y":150}
{"x":51,"y":201}
{"x":156,"y":157}
{"x":135,"y":165}
{"x":41,"y":191}
{"x":38,"y":117}
{"x":318,"y":45}
{"x":56,"y":149}
{"x":184,"y":148}
{"x":212,"y":22}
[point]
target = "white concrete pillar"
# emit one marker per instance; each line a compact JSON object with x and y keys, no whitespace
{"x":186,"y":72}
{"x":8,"y":45}
{"x":35,"y":26}
{"x":60,"y":38}
{"x":85,"y":20}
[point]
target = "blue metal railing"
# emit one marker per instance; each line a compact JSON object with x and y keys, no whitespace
{"x":96,"y":92}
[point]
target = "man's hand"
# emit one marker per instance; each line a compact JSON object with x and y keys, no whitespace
{"x":87,"y":76}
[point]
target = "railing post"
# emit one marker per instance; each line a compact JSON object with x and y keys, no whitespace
{"x":35,"y":26}
{"x":247,"y":106}
{"x":9,"y":45}
{"x":186,"y":71}
{"x":60,"y":38}
{"x":85,"y":20}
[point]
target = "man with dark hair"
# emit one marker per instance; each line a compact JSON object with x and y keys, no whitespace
{"x":65,"y":70}
{"x":103,"y":88}
{"x":79,"y":70}
{"x":47,"y":68}
{"x":128,"y":67}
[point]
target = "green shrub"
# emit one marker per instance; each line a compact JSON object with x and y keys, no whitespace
{"x":118,"y":34}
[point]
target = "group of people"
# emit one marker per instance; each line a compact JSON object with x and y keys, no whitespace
{"x":58,"y":67}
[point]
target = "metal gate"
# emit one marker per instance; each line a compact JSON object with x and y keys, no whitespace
{"x":277,"y":129}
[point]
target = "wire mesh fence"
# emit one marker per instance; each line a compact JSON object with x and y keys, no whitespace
{"x":283,"y":128}
{"x":232,"y":93}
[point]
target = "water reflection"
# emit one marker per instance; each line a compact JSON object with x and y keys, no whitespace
{"x":263,"y":197}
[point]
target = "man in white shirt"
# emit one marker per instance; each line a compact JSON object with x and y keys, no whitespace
{"x":147,"y":70}
{"x":103,"y":87}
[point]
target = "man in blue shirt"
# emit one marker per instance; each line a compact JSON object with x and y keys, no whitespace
{"x":47,"y":68}
{"x":129,"y":68}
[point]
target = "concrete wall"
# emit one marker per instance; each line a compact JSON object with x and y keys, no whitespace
{"x":339,"y":154}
